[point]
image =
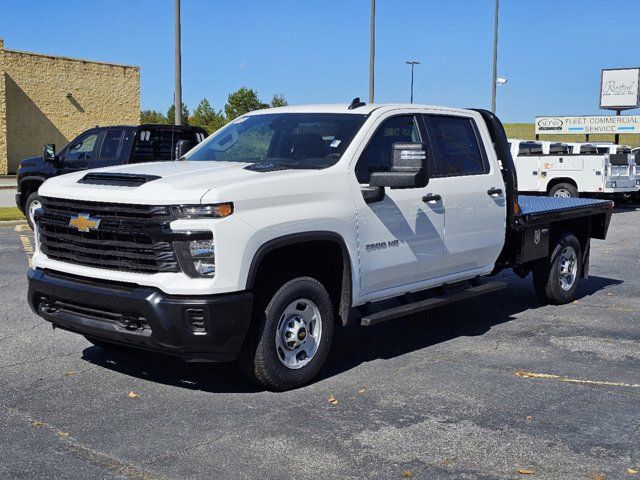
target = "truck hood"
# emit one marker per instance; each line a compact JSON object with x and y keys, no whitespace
{"x":179,"y":182}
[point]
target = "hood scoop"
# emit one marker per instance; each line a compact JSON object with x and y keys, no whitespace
{"x":265,"y":167}
{"x":117,"y":179}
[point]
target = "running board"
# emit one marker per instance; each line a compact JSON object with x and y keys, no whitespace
{"x":411,"y":308}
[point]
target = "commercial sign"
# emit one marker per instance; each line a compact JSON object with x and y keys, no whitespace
{"x":585,"y":125}
{"x":620,"y":88}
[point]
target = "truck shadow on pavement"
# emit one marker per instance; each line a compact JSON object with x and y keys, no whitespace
{"x":352,"y":345}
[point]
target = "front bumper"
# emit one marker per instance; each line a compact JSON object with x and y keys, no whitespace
{"x":143,"y":317}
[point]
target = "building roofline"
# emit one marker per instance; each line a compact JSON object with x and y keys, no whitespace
{"x":60,"y":57}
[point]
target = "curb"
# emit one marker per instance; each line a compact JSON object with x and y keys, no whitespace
{"x":8,"y":187}
{"x":12,"y":223}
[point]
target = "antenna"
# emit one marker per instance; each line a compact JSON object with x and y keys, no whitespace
{"x":355,"y":103}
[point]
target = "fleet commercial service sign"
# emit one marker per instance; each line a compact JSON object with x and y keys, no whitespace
{"x":620,"y":88}
{"x":585,"y":125}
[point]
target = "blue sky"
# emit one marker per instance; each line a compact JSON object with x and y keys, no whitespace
{"x":316,"y":51}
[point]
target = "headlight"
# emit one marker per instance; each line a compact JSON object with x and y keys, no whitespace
{"x":219,"y":210}
{"x":197,"y":258}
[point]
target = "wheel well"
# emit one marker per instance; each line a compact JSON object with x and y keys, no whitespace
{"x":27,"y":187}
{"x":553,"y":182}
{"x":326,"y":260}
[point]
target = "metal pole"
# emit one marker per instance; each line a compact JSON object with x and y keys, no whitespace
{"x":412,"y":65}
{"x":372,"y":51}
{"x":177,"y":97}
{"x":617,"y":137}
{"x":495,"y":59}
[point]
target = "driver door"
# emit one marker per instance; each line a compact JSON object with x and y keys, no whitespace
{"x":401,"y":237}
{"x":81,"y":152}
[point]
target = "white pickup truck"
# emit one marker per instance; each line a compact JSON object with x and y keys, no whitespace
{"x":290,"y":222}
{"x":562,"y":173}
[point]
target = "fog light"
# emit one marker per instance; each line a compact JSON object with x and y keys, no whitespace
{"x":197,"y":257}
{"x":201,"y":249}
{"x":613,"y":184}
{"x":206,"y":269}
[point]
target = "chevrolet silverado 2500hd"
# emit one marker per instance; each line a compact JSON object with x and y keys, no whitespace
{"x":278,"y":226}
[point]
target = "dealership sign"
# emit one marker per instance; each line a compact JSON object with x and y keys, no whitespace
{"x":587,"y":125}
{"x":620,"y":88}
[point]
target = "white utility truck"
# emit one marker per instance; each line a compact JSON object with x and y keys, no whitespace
{"x":562,"y":174}
{"x":290,"y":222}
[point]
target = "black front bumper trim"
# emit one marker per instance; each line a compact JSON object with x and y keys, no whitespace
{"x":142,"y":317}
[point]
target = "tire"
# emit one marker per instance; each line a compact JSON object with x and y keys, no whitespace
{"x":564,"y":190}
{"x":105,"y":345}
{"x":556,"y":281}
{"x":33,"y":202}
{"x":291,"y":334}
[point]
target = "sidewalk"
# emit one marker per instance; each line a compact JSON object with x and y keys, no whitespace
{"x":7,"y":182}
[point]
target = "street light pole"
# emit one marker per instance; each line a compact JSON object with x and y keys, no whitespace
{"x":412,"y":63}
{"x":372,"y":50}
{"x":494,"y":78}
{"x":177,"y":96}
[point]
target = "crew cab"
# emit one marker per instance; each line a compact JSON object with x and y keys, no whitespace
{"x":564,"y":170}
{"x":101,"y":147}
{"x":289,"y":223}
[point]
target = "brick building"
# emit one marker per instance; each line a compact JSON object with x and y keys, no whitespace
{"x":49,"y":99}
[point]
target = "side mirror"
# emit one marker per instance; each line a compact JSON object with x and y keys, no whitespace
{"x":182,"y":147}
{"x":408,"y":168}
{"x":49,"y":152}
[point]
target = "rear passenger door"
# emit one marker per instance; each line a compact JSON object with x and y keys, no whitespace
{"x":472,"y":192}
{"x":111,"y":148}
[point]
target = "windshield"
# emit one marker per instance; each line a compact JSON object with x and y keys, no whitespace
{"x":288,"y":140}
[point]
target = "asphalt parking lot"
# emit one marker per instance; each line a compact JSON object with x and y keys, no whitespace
{"x":497,"y":387}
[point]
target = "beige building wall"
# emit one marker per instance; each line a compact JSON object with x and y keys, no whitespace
{"x":51,"y":99}
{"x":3,"y":116}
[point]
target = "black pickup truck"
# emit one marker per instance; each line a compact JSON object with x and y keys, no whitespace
{"x":102,"y":147}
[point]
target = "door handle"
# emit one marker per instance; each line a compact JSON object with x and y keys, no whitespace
{"x":494,"y":192}
{"x":431,"y":198}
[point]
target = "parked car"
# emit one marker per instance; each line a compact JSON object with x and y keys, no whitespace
{"x":101,"y":147}
{"x":566,"y":173}
{"x":275,"y":228}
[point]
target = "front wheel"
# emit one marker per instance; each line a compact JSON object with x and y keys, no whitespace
{"x":292,"y":335}
{"x":33,"y":203}
{"x":556,"y":280}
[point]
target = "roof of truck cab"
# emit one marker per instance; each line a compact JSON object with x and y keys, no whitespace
{"x":344,"y":108}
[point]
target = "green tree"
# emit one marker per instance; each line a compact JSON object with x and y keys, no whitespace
{"x":152,"y":116}
{"x":206,"y":117}
{"x":278,"y":100}
{"x":242,"y":101}
{"x":171,"y":114}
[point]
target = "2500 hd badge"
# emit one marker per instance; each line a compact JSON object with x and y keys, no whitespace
{"x":373,"y":247}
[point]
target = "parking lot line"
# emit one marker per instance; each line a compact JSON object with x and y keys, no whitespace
{"x":26,"y":242}
{"x":549,"y":376}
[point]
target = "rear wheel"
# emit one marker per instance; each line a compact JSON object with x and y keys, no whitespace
{"x":291,"y":336}
{"x":556,"y":281}
{"x":33,"y":203}
{"x":564,"y":190}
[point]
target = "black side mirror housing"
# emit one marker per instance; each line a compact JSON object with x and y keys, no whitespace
{"x":182,"y":147}
{"x":49,"y":152}
{"x":408,"y":168}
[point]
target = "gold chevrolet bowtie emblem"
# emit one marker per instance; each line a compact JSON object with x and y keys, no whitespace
{"x":84,"y":223}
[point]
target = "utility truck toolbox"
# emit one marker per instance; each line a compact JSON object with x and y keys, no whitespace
{"x":289,"y":223}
